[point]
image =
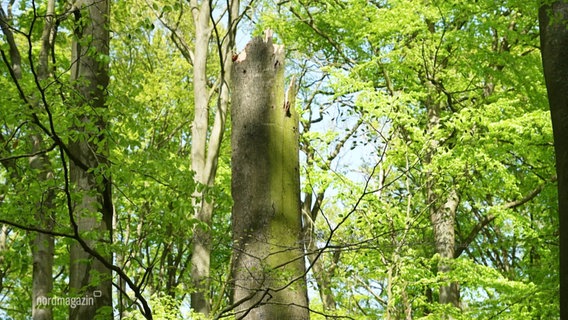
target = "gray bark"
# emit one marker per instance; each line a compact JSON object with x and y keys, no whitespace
{"x":43,"y":245}
{"x":206,"y":141}
{"x":554,"y":49}
{"x":16,"y":63}
{"x":93,"y":210}
{"x":268,"y":262}
{"x":3,"y":267}
{"x":322,"y":275}
{"x":443,"y":220}
{"x":442,"y":214}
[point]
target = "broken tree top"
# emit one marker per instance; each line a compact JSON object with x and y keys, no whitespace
{"x":278,"y":50}
{"x":254,"y":71}
{"x":266,"y":219}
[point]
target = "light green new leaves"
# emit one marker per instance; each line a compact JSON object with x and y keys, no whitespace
{"x":393,"y":63}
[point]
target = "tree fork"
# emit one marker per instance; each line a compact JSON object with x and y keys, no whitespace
{"x":269,"y":268}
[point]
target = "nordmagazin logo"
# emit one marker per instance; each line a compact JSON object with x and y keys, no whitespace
{"x":72,"y":302}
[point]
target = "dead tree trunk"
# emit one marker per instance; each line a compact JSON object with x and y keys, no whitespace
{"x":269,"y":268}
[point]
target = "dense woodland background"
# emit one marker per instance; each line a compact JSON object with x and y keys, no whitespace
{"x":427,"y":159}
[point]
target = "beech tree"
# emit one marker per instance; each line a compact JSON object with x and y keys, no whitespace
{"x":88,"y":170}
{"x":63,"y":94}
{"x":206,"y":139}
{"x":554,"y":47}
{"x":427,"y":180}
{"x":268,"y":261}
{"x":395,"y":80}
{"x":43,"y":243}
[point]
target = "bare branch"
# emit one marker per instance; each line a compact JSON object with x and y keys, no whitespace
{"x":29,"y":155}
{"x":490,"y":217}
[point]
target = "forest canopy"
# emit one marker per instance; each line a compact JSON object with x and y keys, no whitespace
{"x":428,"y":186}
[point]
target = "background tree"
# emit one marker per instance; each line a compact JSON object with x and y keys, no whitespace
{"x":554,"y":45}
{"x":401,"y":104}
{"x":206,"y":139}
{"x":182,"y":134}
{"x":51,"y":106}
{"x":43,"y":244}
{"x":397,"y":80}
{"x":92,"y":210}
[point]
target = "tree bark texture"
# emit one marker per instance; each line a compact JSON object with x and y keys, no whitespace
{"x":443,"y":220}
{"x":201,"y":245}
{"x":88,"y":174}
{"x":554,"y":50}
{"x":269,"y":268}
{"x":43,"y":245}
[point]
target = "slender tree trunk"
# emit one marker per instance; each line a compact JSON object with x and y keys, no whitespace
{"x":16,"y":63}
{"x":443,"y":220}
{"x":321,"y":274}
{"x":201,"y":253}
{"x":442,"y":215}
{"x":206,"y":141}
{"x":268,"y":266}
{"x":390,"y":309}
{"x":3,"y":237}
{"x":89,"y":175}
{"x":43,"y":245}
{"x":554,"y":49}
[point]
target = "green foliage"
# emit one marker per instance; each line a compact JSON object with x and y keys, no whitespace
{"x":391,"y":65}
{"x":371,"y":74}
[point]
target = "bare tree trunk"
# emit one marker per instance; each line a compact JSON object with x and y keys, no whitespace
{"x":204,"y":150}
{"x":443,"y":220}
{"x":16,"y":63}
{"x":89,"y":176}
{"x":554,"y":49}
{"x":201,"y":253}
{"x":3,"y":267}
{"x":442,"y":215}
{"x":268,"y":263}
{"x":321,"y":274}
{"x":43,"y":245}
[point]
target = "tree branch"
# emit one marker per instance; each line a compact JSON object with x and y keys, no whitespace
{"x":29,"y":155}
{"x":16,"y":66}
{"x":489,"y":218}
